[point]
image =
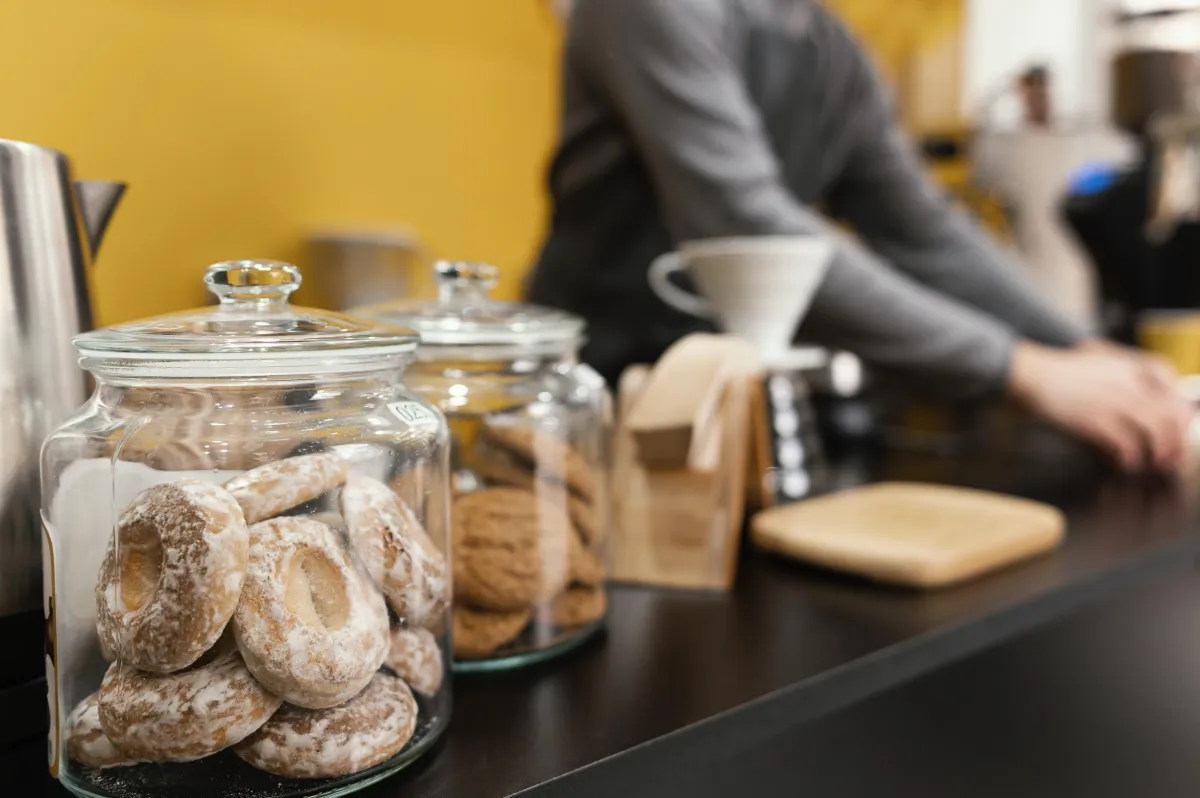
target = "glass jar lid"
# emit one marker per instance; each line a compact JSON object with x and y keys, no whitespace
{"x":252,"y":330}
{"x":464,"y":314}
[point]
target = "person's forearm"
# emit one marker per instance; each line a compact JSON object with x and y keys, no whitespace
{"x":893,"y":324}
{"x":967,"y":265}
{"x":908,"y":220}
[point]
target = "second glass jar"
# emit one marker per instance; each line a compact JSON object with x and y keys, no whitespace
{"x":530,"y":429}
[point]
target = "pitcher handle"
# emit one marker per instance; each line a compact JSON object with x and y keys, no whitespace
{"x":660,"y":282}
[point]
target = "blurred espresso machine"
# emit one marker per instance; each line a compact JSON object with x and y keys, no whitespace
{"x":1141,"y":225}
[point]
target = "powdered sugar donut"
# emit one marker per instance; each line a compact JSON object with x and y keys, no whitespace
{"x":87,"y":743}
{"x":316,"y":744}
{"x":180,"y":717}
{"x":331,"y":520}
{"x":416,"y":657}
{"x":396,"y":550}
{"x":268,"y":490}
{"x":172,"y":581}
{"x":310,"y":624}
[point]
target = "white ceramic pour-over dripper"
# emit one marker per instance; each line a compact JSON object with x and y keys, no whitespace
{"x":756,"y":288}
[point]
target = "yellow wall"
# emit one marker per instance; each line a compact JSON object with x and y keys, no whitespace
{"x":895,"y":30}
{"x":241,"y":124}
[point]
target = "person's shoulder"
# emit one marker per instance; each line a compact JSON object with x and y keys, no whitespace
{"x":639,"y":18}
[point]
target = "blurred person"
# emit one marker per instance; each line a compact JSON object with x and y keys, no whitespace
{"x":1034,"y":89}
{"x":694,"y":119}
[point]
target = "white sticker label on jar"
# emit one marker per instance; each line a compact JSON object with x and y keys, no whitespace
{"x":414,"y":414}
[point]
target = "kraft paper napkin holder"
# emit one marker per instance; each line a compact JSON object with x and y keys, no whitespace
{"x":678,"y":510}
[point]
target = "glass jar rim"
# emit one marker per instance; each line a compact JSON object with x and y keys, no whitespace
{"x":465,"y":314}
{"x":247,"y":366}
{"x":253,"y":331}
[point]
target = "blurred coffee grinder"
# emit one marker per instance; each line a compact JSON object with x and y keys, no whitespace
{"x":353,"y":268}
{"x":1141,"y":226}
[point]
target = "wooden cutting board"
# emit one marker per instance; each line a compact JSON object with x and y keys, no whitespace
{"x":914,"y":535}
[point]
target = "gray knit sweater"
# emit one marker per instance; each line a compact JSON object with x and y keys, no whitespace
{"x":689,"y":119}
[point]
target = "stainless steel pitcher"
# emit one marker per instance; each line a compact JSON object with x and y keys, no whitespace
{"x":50,"y":227}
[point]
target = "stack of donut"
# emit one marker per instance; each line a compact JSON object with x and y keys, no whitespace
{"x":526,"y":546}
{"x":232,"y":625}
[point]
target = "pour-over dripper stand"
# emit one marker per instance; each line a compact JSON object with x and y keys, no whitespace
{"x":763,"y":301}
{"x":790,"y":457}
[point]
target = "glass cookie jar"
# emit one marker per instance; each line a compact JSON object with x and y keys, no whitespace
{"x":246,"y":553}
{"x":530,"y":428}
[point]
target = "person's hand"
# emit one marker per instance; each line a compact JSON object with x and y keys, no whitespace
{"x":1153,"y":367}
{"x":1123,"y":401}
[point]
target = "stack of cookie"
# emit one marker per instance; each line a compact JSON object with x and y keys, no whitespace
{"x":528,"y":570}
{"x":232,"y":624}
{"x":198,"y":430}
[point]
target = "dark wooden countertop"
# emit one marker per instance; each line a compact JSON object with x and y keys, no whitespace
{"x":682,"y":680}
{"x":1103,"y":703}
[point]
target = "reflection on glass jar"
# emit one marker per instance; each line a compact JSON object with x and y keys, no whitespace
{"x":530,"y":429}
{"x":248,"y":524}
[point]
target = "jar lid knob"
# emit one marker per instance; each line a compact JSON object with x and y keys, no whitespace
{"x":252,"y":281}
{"x":463,"y":280}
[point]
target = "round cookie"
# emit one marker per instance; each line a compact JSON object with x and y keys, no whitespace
{"x":87,"y":743}
{"x":549,"y":456}
{"x":400,"y":557}
{"x":583,"y":516}
{"x":268,"y":490}
{"x":311,"y":626}
{"x":416,"y":657}
{"x":586,"y":567}
{"x":368,"y":729}
{"x":501,"y":470}
{"x":511,"y":551}
{"x":181,"y":717}
{"x":476,"y":634}
{"x":171,"y":582}
{"x":504,"y":471}
{"x":577,"y":606}
{"x":332,"y":520}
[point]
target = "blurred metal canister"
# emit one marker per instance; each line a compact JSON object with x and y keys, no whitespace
{"x":351,"y":268}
